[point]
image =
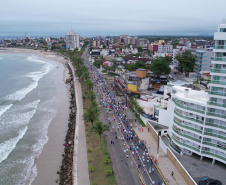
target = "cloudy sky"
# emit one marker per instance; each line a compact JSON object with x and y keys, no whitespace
{"x":110,"y":17}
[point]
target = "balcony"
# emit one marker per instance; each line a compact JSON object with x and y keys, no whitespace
{"x":185,"y":145}
{"x":215,"y":125}
{"x":214,"y":155}
{"x":187,"y":136}
{"x":189,"y":108}
{"x":218,"y":82}
{"x":190,"y":128}
{"x":218,"y":70}
{"x":215,"y":145}
{"x":219,"y":59}
{"x":215,"y":135}
{"x":185,"y":117}
{"x":217,"y":115}
{"x":217,"y":93}
{"x":216,"y":104}
{"x":219,"y":47}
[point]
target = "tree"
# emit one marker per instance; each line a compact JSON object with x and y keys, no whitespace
{"x":137,"y":65}
{"x":91,"y":114}
{"x":186,"y":61}
{"x":140,"y":49}
{"x":99,"y":128}
{"x":93,"y":103}
{"x":160,"y":66}
{"x":175,"y":44}
{"x":89,"y":84}
{"x":90,"y":95}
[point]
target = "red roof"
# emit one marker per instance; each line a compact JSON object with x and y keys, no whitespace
{"x":207,"y":74}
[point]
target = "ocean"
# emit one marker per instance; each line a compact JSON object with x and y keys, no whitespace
{"x":28,"y":101}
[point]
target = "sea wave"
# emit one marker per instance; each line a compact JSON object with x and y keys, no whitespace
{"x":1,"y":58}
{"x":4,"y":108}
{"x":7,"y":146}
{"x":16,"y":122}
{"x":35,"y":76}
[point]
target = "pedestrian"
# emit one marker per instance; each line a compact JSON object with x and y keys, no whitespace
{"x":172,"y":173}
{"x":131,"y":163}
{"x":149,"y":146}
{"x":111,"y":141}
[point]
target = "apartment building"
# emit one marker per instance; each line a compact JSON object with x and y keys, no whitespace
{"x":163,"y":48}
{"x":72,"y":40}
{"x":199,"y":122}
{"x":203,"y":61}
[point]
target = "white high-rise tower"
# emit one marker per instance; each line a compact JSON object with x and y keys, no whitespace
{"x":72,"y":40}
{"x":199,"y":120}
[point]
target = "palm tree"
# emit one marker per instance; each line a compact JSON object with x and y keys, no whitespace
{"x":91,"y":114}
{"x":85,"y":75}
{"x":99,"y":128}
{"x":89,"y":84}
{"x":90,"y":95}
{"x":93,"y":103}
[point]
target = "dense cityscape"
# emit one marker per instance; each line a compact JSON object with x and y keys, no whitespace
{"x":126,"y":109}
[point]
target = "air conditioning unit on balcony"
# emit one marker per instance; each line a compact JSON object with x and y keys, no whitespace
{"x":224,"y":65}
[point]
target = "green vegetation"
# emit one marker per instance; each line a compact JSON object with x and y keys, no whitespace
{"x":160,"y":66}
{"x":186,"y":62}
{"x":94,"y":129}
{"x":175,"y":43}
{"x":112,"y":74}
{"x":138,"y":65}
{"x":140,"y":49}
{"x":99,"y":128}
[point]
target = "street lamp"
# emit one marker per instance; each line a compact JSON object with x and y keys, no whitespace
{"x":159,"y":135}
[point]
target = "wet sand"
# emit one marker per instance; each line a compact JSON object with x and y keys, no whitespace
{"x":50,"y":160}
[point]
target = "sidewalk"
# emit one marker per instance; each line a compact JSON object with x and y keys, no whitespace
{"x":164,"y":163}
{"x":80,"y":162}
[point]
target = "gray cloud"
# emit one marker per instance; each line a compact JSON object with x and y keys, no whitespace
{"x":110,"y":16}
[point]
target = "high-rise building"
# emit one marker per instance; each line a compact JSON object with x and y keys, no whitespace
{"x":72,"y":40}
{"x":199,"y":119}
{"x":203,"y":61}
{"x":216,"y":108}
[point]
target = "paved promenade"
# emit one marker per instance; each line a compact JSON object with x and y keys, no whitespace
{"x":164,"y":163}
{"x":80,"y":162}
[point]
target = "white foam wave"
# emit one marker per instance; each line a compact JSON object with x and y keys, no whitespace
{"x":4,"y":108}
{"x":36,"y":59}
{"x":23,"y":118}
{"x":35,"y":76}
{"x":1,"y":58}
{"x":7,"y":146}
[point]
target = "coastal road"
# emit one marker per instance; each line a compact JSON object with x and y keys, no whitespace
{"x":142,"y":171}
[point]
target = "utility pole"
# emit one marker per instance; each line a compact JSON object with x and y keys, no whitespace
{"x":126,"y":99}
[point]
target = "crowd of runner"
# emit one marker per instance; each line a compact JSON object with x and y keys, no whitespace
{"x":124,"y":129}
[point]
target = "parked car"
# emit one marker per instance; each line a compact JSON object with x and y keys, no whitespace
{"x":209,"y":182}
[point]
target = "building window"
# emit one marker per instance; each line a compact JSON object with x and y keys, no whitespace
{"x":222,"y":29}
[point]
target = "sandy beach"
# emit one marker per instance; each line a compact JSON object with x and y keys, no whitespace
{"x":49,"y":161}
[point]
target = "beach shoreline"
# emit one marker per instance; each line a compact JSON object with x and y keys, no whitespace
{"x":49,"y":161}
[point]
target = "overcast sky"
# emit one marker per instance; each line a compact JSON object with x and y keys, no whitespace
{"x":110,"y":17}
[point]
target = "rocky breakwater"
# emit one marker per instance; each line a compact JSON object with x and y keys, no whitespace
{"x":65,"y":172}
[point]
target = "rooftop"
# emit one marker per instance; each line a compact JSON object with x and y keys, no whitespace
{"x":194,"y":96}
